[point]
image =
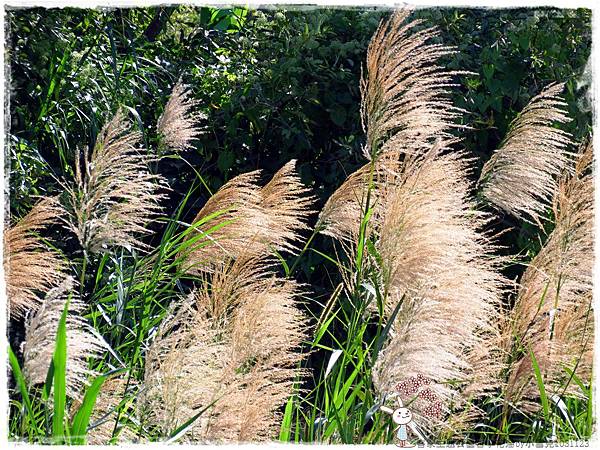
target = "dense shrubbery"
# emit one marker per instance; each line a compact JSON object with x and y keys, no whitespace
{"x":273,"y":85}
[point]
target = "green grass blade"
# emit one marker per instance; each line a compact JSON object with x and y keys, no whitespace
{"x":286,"y":423}
{"x":48,"y":384}
{"x":82,"y":418}
{"x":541,"y":386}
{"x":386,"y":330}
{"x":20,"y":379}
{"x":180,"y":431}
{"x":60,"y":378}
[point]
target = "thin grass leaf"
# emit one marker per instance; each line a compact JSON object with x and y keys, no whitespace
{"x":16,"y":369}
{"x":60,"y":378}
{"x":540,"y":382}
{"x":335,"y":355}
{"x":286,"y":421}
{"x":180,"y":431}
{"x":82,"y":417}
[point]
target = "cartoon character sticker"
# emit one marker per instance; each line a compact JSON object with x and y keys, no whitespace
{"x":417,"y":389}
{"x":401,"y":417}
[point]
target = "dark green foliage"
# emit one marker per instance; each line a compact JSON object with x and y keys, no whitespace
{"x":513,"y":54}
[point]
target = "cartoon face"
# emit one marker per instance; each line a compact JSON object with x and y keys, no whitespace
{"x":402,"y":416}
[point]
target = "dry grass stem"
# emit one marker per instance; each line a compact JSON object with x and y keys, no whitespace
{"x":434,"y":259}
{"x":236,"y":339}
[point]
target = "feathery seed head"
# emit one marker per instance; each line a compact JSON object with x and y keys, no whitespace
{"x":40,"y":337}
{"x":437,"y":263}
{"x":553,"y":316}
{"x":522,"y":175}
{"x":31,"y":267}
{"x":405,"y":93}
{"x":114,"y":195}
{"x":179,"y":123}
{"x":245,"y":359}
{"x":341,"y":216}
{"x":244,"y":218}
{"x":434,"y":261}
{"x":234,"y":341}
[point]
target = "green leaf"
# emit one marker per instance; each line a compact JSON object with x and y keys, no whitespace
{"x":82,"y":418}
{"x":386,"y":330}
{"x":541,"y":387}
{"x":20,"y":379}
{"x":524,"y":41}
{"x":338,"y":115}
{"x":286,"y":423}
{"x":225,"y":160}
{"x":488,"y":70}
{"x":59,"y":361}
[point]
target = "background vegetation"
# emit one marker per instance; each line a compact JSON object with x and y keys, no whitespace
{"x":275,"y":85}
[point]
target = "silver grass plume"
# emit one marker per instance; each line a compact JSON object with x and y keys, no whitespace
{"x":434,"y":259}
{"x":114,"y":195}
{"x":437,"y":263}
{"x":341,"y":216}
{"x":256,"y":219}
{"x":83,"y":342}
{"x":522,"y":175}
{"x":183,"y":363}
{"x":405,"y":93}
{"x":405,"y":109}
{"x":553,"y":316}
{"x":244,"y":357}
{"x":32,"y":268}
{"x":178,"y":125}
{"x":235,"y":340}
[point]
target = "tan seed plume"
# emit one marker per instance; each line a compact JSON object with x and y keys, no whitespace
{"x":31,"y":267}
{"x":405,"y":93}
{"x":341,"y":216}
{"x":437,"y":263}
{"x":553,"y":315}
{"x":235,"y":340}
{"x":522,"y":175}
{"x":115,"y":195}
{"x":179,"y":123}
{"x":40,"y":338}
{"x":243,"y":217}
{"x":244,"y":358}
{"x":183,"y":369}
